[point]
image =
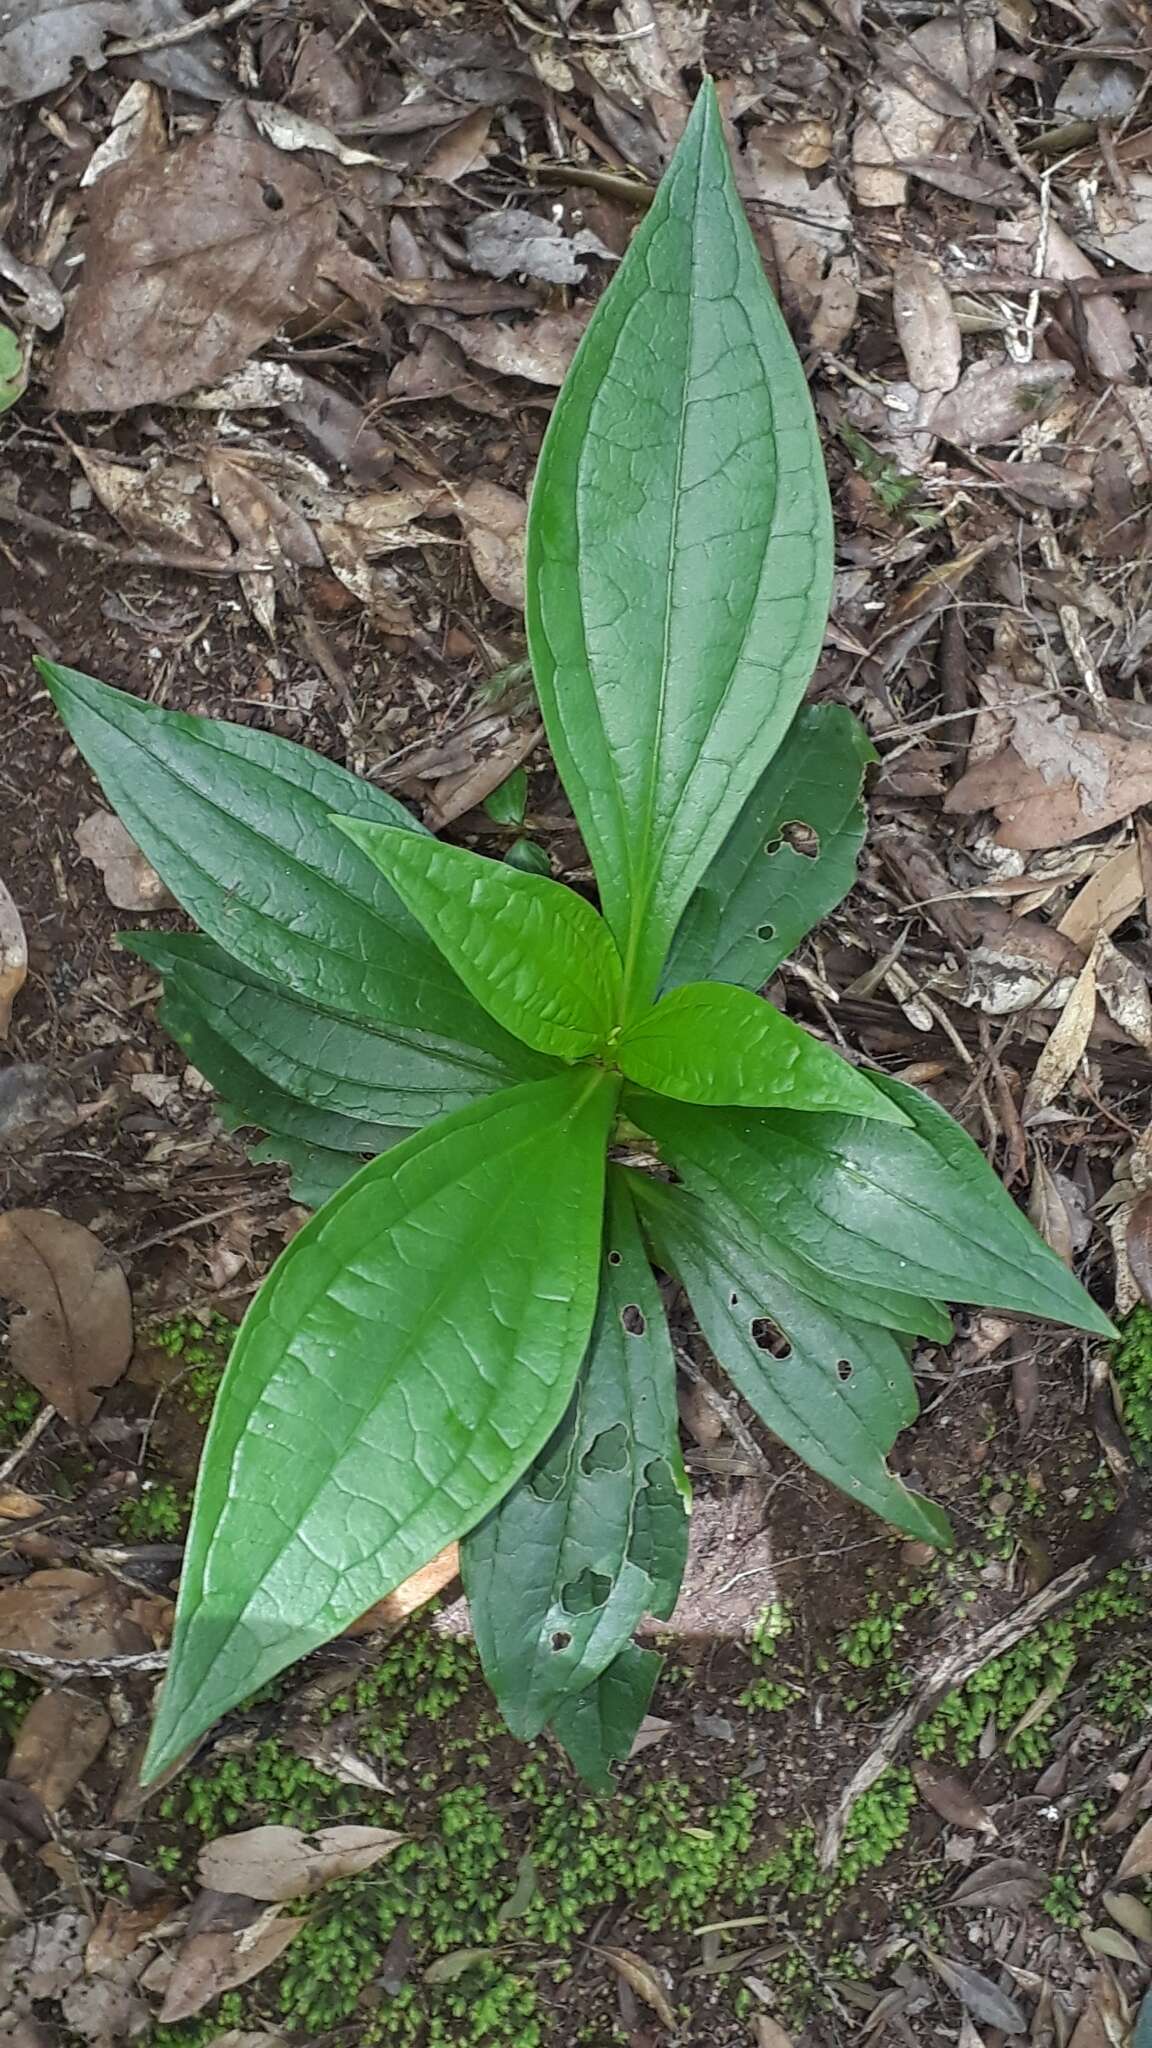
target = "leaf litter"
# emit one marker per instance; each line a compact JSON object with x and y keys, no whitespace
{"x":356,"y":436}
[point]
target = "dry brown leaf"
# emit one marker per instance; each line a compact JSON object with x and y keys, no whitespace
{"x":1131,"y":1914}
{"x":413,"y":1593}
{"x":73,"y":1616}
{"x":157,"y":506}
{"x":74,"y":1338}
{"x":1104,"y":2020}
{"x":540,"y":349}
{"x":493,"y":520}
{"x":1049,"y":1213}
{"x":124,"y":1935}
{"x":11,"y":1904}
{"x":979,"y":1994}
{"x":1114,"y":893}
{"x":40,"y":44}
{"x":1099,"y":322}
{"x":1123,"y":989}
{"x":926,"y":325}
{"x":1006,"y":1882}
{"x":459,"y":149}
{"x":985,"y":180}
{"x":995,"y":401}
{"x":17,"y":1506}
{"x":227,"y":1944}
{"x":516,"y":243}
{"x":950,"y":1797}
{"x":263,"y":523}
{"x":768,"y":2033}
{"x":643,"y":1979}
{"x":130,"y":880}
{"x":137,"y":129}
{"x":60,"y":1737}
{"x":44,"y":1959}
{"x":1137,"y":1858}
{"x":292,"y":132}
{"x":812,"y":237}
{"x":13,"y":958}
{"x":275,"y":1864}
{"x":236,"y":2039}
{"x":194,"y":258}
{"x":1067,"y":1044}
{"x":908,"y":119}
{"x":1138,"y":1244}
{"x":1135,"y":1796}
{"x":1054,"y":780}
{"x":1108,"y":1941}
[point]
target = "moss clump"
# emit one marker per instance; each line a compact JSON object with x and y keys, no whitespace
{"x":1012,"y":1685}
{"x":16,"y":1696}
{"x":768,"y":1694}
{"x":19,"y":1407}
{"x":201,"y":1345}
{"x":1131,"y":1365}
{"x":154,"y":1515}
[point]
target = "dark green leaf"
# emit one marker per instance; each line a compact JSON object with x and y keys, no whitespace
{"x":839,"y":1391}
{"x":526,"y":855}
{"x":711,"y":1043}
{"x":720,"y":1159}
{"x":316,"y":1174}
{"x":406,"y":1358}
{"x":598,"y":1726}
{"x":373,"y":1074}
{"x":679,"y":552}
{"x":788,"y":860}
{"x":916,"y":1210}
{"x":238,"y":824}
{"x":595,"y":1534}
{"x":537,"y":956}
{"x":507,"y":804}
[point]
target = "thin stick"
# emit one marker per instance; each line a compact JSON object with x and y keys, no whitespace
{"x":12,"y":514}
{"x":165,"y":38}
{"x":28,"y":1442}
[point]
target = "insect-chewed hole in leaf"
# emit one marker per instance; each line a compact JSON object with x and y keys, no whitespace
{"x":800,"y":836}
{"x":608,"y":1452}
{"x":613,"y":1258}
{"x":547,"y":1479}
{"x":767,"y":932}
{"x":560,"y":1639}
{"x":273,"y":199}
{"x":633,"y":1320}
{"x":583,"y":1594}
{"x":844,"y":1368}
{"x":768,"y":1336}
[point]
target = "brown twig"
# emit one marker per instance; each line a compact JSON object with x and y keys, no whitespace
{"x":12,"y":514}
{"x":166,"y":38}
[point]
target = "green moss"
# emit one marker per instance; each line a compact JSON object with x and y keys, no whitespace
{"x":1012,"y":1685}
{"x":201,"y":1345}
{"x":1131,"y":1365}
{"x":19,"y":1407}
{"x":768,"y":1695}
{"x":1064,"y":1901}
{"x":155,"y":1515}
{"x":16,"y":1696}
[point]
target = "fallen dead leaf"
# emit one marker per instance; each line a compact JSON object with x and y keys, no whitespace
{"x":643,"y":1979}
{"x":74,"y":1338}
{"x":157,"y":506}
{"x":194,"y":258}
{"x":1131,"y":1914}
{"x":1005,"y":1882}
{"x":1103,"y":2022}
{"x":812,"y":239}
{"x":459,"y":149}
{"x":291,"y":132}
{"x":926,"y":325}
{"x":1049,"y":1210}
{"x":1110,"y":896}
{"x":73,"y":1616}
{"x":1133,"y":1799}
{"x":1137,"y":1858}
{"x":950,"y":1797}
{"x":33,"y":1103}
{"x":125,"y":1934}
{"x":1098,"y":323}
{"x":138,"y":128}
{"x":45,"y":38}
{"x":995,"y":401}
{"x":13,"y":958}
{"x":1067,"y":1044}
{"x":130,"y":881}
{"x":18,"y":1506}
{"x":540,"y":349}
{"x":44,"y":1959}
{"x":228,"y":1942}
{"x":518,"y":243}
{"x":235,"y":2039}
{"x":59,"y":1738}
{"x":1138,"y":1244}
{"x":937,"y":74}
{"x":1122,"y":986}
{"x":768,"y":2033}
{"x":1054,"y":780}
{"x":275,"y":1864}
{"x":494,"y":520}
{"x":979,"y":1994}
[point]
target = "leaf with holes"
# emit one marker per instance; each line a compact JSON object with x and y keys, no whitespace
{"x":598,"y":1726}
{"x":837,"y":1392}
{"x":789,"y":859}
{"x":404,"y":1361}
{"x":595,"y":1534}
{"x":679,"y":552}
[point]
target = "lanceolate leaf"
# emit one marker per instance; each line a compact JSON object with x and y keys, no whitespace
{"x":916,"y":1210}
{"x":238,"y":824}
{"x":715,"y":1157}
{"x":679,"y":552}
{"x":598,"y":1726}
{"x":840,"y":1391}
{"x":595,"y":1534}
{"x":374,"y":1074}
{"x":711,"y":1044}
{"x":534,"y":953}
{"x":403,"y":1362}
{"x":788,"y":860}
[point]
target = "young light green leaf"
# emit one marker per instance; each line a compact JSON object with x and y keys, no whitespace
{"x":534,"y":953}
{"x":836,"y":1392}
{"x":595,"y":1534}
{"x":679,"y":552}
{"x":788,"y":860}
{"x":712,"y":1043}
{"x":712,"y":1156}
{"x":403,"y":1362}
{"x":371,"y":1073}
{"x":919,"y":1210}
{"x":598,"y":1726}
{"x":237,"y":823}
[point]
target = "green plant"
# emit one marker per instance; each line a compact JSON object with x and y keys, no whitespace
{"x":13,"y":368}
{"x":1131,"y":1367}
{"x":154,"y":1515}
{"x":467,"y":1339}
{"x":200,"y":1345}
